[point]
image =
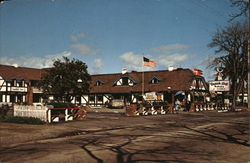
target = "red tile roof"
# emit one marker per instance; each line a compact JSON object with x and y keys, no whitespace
{"x":10,"y":72}
{"x":179,"y":79}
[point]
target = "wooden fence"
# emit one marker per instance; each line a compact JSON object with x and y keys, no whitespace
{"x":48,"y":114}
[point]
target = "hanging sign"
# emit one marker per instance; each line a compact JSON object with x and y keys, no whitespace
{"x":221,"y":86}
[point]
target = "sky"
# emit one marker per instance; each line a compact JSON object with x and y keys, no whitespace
{"x":109,"y":35}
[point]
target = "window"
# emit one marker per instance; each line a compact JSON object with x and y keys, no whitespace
{"x":12,"y":98}
{"x":13,"y":82}
{"x":78,"y":99}
{"x":154,"y":80}
{"x":100,"y":98}
{"x":36,"y":97}
{"x":99,"y":82}
{"x":21,"y":83}
{"x":19,"y":98}
{"x":1,"y":98}
{"x":91,"y":98}
{"x":124,"y":80}
{"x":33,"y":83}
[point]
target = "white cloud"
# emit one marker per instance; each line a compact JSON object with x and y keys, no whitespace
{"x":97,"y":66}
{"x":34,"y":62}
{"x":167,"y":49}
{"x":133,"y":61}
{"x":83,"y":49}
{"x":173,"y":59}
{"x":77,"y":36}
{"x":171,"y":55}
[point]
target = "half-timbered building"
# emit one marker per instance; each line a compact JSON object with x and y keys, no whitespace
{"x":17,"y":85}
{"x":130,"y":86}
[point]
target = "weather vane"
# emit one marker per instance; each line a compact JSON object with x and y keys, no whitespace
{"x":219,"y":74}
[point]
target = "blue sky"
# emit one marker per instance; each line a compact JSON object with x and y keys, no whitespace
{"x":109,"y":35}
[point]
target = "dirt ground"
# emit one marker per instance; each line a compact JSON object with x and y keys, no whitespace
{"x":207,"y":137}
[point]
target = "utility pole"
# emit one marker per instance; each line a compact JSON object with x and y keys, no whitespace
{"x":248,"y":73}
{"x":248,"y":59}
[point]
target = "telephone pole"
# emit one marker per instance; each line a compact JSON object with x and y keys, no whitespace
{"x":248,"y":59}
{"x":248,"y":73}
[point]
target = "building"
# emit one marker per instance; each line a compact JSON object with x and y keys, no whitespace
{"x":18,"y":85}
{"x":131,"y":85}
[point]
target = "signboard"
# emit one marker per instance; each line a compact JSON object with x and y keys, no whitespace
{"x":17,"y":89}
{"x":150,"y":96}
{"x":220,"y":86}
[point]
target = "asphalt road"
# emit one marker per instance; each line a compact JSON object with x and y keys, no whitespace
{"x":111,"y":137}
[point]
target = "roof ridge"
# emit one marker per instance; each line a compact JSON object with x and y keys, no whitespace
{"x":141,"y":72}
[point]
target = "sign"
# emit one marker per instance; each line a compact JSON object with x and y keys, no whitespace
{"x":150,"y":96}
{"x":221,"y":86}
{"x":17,"y":89}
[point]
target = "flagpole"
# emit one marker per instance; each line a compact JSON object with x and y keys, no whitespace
{"x":142,"y":77}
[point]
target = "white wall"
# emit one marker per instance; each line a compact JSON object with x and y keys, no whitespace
{"x":31,"y":111}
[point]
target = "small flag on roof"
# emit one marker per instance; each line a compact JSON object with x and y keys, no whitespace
{"x":197,"y":72}
{"x":149,"y":63}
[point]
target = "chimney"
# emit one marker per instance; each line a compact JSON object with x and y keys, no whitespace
{"x":170,"y":68}
{"x":124,"y":71}
{"x":15,"y":65}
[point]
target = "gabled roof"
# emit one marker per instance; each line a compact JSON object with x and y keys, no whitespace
{"x":179,"y":79}
{"x":154,"y":77}
{"x":11,"y":72}
{"x":126,"y":76}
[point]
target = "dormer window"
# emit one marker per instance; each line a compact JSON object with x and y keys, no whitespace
{"x":125,"y":80}
{"x":154,"y":80}
{"x":99,"y":83}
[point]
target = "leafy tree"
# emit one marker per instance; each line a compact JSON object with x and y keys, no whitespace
{"x":232,"y":42}
{"x":65,"y":80}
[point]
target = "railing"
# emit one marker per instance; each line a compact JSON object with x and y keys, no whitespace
{"x":220,"y":107}
{"x":155,"y":108}
{"x":151,"y":108}
{"x":66,"y":114}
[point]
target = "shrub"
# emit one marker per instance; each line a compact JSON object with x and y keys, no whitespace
{"x":4,"y":109}
{"x":27,"y":120}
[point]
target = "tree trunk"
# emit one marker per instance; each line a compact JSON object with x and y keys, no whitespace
{"x":234,"y":92}
{"x":242,"y":92}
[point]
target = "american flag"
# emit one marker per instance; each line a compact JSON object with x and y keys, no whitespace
{"x":149,"y":63}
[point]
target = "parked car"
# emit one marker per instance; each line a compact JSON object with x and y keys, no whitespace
{"x":116,"y":103}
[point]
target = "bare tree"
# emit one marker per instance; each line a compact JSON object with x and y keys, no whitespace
{"x":244,"y":7}
{"x":231,"y":43}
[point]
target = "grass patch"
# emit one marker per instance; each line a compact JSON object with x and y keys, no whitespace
{"x":26,"y":120}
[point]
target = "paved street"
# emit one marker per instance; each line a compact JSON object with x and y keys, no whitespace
{"x":112,"y":137}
